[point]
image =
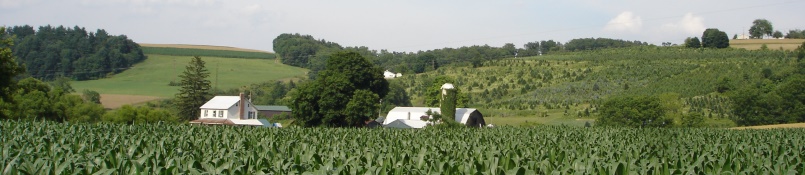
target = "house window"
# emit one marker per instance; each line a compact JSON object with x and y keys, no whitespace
{"x":251,"y":115}
{"x":220,"y":113}
{"x":213,"y":113}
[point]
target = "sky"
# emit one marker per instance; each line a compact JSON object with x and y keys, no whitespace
{"x":403,"y":26}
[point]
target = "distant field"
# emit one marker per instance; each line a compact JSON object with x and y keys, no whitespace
{"x":151,"y":77}
{"x":114,"y":101}
{"x":207,"y":52}
{"x":203,"y":47}
{"x":755,"y":44}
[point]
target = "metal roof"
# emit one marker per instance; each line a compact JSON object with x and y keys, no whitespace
{"x":462,"y":114}
{"x":221,"y":102}
{"x":272,"y":108}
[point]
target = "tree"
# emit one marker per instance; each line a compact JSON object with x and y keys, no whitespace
{"x":195,"y":90}
{"x":8,"y":67}
{"x":724,"y":85}
{"x":692,"y":42}
{"x":91,"y":96}
{"x":777,"y":34}
{"x":640,"y":111}
{"x":62,"y":83}
{"x":801,"y":52}
{"x":714,"y":38}
{"x":760,"y":28}
{"x":448,"y":106}
{"x":795,"y":34}
{"x":345,"y":94}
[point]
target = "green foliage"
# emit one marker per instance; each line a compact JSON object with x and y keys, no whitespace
{"x":195,"y":90}
{"x":36,"y":100}
{"x":397,"y":96}
{"x":52,"y":52}
{"x":206,"y":53}
{"x":692,"y":42}
{"x":53,"y":148}
{"x":448,"y":105}
{"x":599,"y":43}
{"x":62,"y":83}
{"x":641,"y":111}
{"x":760,"y":28}
{"x":433,"y":95}
{"x":8,"y":67}
{"x":795,"y":34}
{"x":777,"y":34}
{"x":758,"y":106}
{"x":91,"y":96}
{"x":138,"y":115}
{"x":296,"y":50}
{"x":724,"y":85}
{"x":348,"y":82}
{"x":801,"y":52}
{"x":693,"y":120}
{"x":714,"y":38}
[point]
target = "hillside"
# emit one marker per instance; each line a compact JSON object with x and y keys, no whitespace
{"x":565,"y":88}
{"x":202,"y":47}
{"x":775,"y":44}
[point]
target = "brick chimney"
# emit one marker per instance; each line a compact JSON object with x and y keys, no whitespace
{"x":241,"y":102}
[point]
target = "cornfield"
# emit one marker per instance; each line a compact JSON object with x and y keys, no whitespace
{"x":61,"y":148}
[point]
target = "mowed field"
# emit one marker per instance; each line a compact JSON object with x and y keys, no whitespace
{"x":790,"y":125}
{"x":755,"y":44}
{"x":205,"y":47}
{"x":152,"y":76}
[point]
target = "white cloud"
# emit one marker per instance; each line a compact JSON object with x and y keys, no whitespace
{"x":689,"y":24}
{"x":625,"y":22}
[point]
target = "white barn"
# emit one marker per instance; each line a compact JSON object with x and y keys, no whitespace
{"x":390,"y":75}
{"x":416,"y":117}
{"x":230,"y":110}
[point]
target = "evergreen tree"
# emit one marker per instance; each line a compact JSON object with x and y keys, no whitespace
{"x":195,"y":89}
{"x":8,"y":66}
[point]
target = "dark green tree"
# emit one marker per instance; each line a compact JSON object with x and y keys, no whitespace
{"x":195,"y":90}
{"x":693,"y":42}
{"x":448,"y":106}
{"x":8,"y":67}
{"x":349,"y":82}
{"x":714,"y":38}
{"x":777,"y":34}
{"x":640,"y":111}
{"x":801,"y":52}
{"x":760,"y":28}
{"x":91,"y":96}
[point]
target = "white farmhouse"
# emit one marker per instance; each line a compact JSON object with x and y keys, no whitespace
{"x":390,"y":75}
{"x":416,"y":117}
{"x":229,"y":110}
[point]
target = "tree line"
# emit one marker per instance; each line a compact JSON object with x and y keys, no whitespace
{"x":52,"y":52}
{"x":307,"y":52}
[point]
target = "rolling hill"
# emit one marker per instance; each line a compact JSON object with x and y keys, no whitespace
{"x":151,"y":77}
{"x":775,"y":44}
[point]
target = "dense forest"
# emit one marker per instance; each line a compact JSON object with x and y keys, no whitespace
{"x":51,"y":52}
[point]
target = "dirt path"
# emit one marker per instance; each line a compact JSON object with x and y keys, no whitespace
{"x":792,"y":125}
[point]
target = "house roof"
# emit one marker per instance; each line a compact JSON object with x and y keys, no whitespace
{"x":462,"y":114}
{"x":221,"y":102}
{"x":272,"y":108}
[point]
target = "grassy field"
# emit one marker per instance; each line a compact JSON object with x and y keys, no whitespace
{"x":207,"y":53}
{"x":790,"y":125}
{"x":755,"y":44}
{"x":151,"y":77}
{"x":203,"y":47}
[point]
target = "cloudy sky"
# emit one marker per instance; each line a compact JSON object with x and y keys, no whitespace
{"x":402,"y":25}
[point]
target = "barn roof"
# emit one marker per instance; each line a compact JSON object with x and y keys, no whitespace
{"x":221,"y":102}
{"x":401,"y":123}
{"x":462,"y":114}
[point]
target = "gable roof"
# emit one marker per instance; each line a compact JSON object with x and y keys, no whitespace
{"x":221,"y":102}
{"x":272,"y":108}
{"x":462,"y":114}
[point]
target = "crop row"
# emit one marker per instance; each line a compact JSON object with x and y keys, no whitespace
{"x":61,"y":148}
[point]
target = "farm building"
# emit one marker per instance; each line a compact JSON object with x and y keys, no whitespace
{"x":229,"y":110}
{"x":416,"y":117}
{"x":271,"y":111}
{"x":390,"y":75}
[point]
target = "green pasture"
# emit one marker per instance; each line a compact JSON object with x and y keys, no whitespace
{"x":206,"y":52}
{"x":152,"y":76}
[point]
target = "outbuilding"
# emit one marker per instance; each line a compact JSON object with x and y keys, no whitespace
{"x":417,"y":117}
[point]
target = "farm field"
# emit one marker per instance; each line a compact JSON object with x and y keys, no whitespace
{"x":774,"y":44}
{"x":202,"y":47}
{"x":61,"y":148}
{"x":114,"y":101}
{"x":790,"y":125}
{"x":152,"y":76}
